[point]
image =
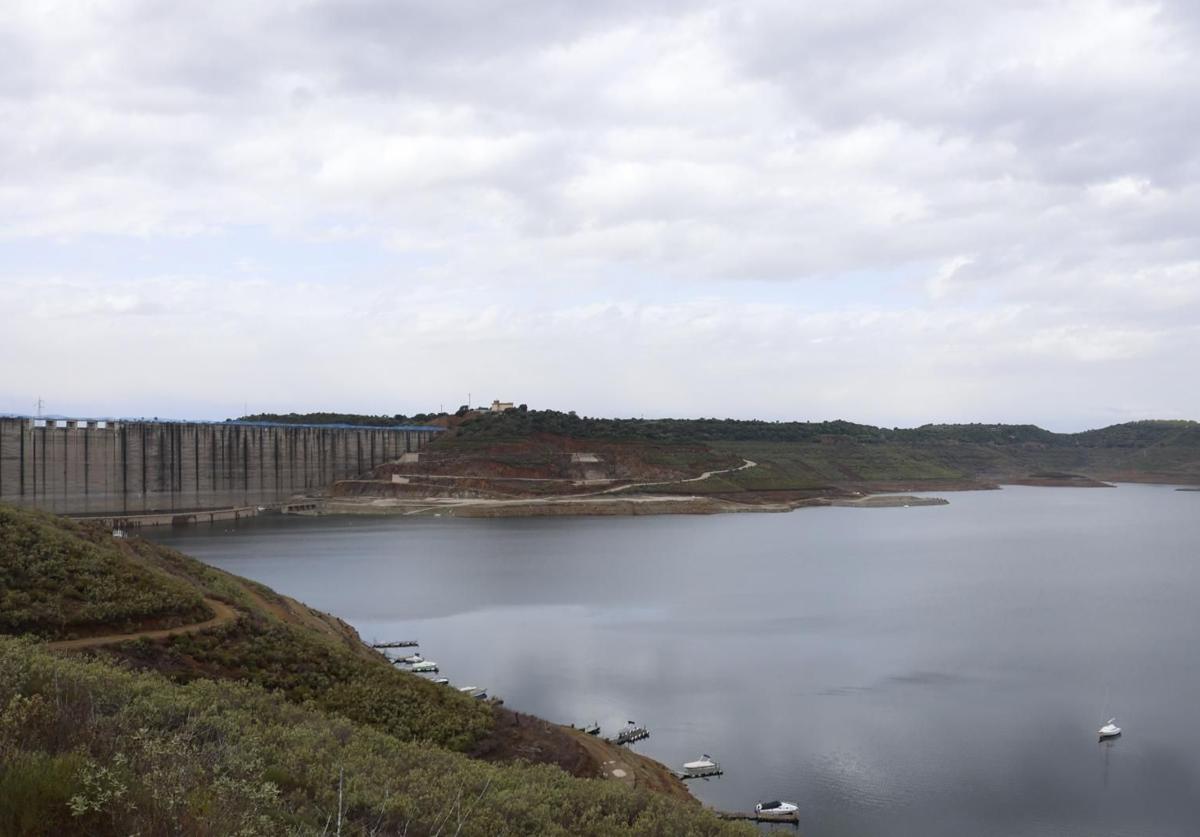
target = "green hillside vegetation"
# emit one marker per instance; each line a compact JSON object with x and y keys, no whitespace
{"x":356,"y":419}
{"x":57,"y":583}
{"x":123,"y":578}
{"x":517,"y":424}
{"x":303,"y":667}
{"x":87,"y":747}
{"x":813,"y":455}
{"x":246,"y":727}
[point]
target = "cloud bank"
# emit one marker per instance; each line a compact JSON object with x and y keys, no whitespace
{"x":894,"y":212}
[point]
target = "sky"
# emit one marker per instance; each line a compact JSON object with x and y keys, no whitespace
{"x":889,"y":211}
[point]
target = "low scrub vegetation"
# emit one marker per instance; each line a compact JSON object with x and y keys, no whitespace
{"x":58,"y":583}
{"x":355,"y":419}
{"x":808,"y":455}
{"x":87,"y":747}
{"x":59,"y":576}
{"x":307,"y":668}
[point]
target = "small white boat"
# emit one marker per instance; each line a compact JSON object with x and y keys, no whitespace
{"x":441,"y":681}
{"x":704,"y":766}
{"x":412,"y":659}
{"x":425,"y":666}
{"x":474,"y":691}
{"x":776,"y":808}
{"x":1110,"y":730}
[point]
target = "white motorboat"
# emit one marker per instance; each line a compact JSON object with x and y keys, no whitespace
{"x":441,"y":681}
{"x":704,"y":766}
{"x":474,"y":691}
{"x":412,"y":659}
{"x":425,"y":666}
{"x":776,"y":808}
{"x":1110,"y":730}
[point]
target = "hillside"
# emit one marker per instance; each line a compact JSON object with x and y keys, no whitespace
{"x":206,"y":704}
{"x":840,"y":455}
{"x":59,"y":585}
{"x":541,"y":462}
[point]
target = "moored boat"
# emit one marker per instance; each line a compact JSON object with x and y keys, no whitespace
{"x":1110,"y":730}
{"x":776,"y":808}
{"x":704,"y":766}
{"x":425,"y":666}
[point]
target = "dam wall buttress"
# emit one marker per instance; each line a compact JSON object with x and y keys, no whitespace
{"x":108,"y":467}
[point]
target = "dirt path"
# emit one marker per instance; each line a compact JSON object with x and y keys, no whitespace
{"x":746,"y":463}
{"x":224,"y":615}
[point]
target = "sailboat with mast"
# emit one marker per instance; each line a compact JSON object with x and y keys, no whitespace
{"x":1110,"y":729}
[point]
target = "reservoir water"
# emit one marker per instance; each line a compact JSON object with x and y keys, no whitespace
{"x":924,"y":671}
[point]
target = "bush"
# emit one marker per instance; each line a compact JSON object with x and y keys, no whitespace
{"x":35,"y":791}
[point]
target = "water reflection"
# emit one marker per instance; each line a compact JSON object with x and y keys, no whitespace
{"x":893,"y":671}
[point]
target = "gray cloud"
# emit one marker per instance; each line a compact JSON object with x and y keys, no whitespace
{"x":994,"y":192}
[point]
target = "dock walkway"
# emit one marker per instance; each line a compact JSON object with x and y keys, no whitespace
{"x":753,"y":816}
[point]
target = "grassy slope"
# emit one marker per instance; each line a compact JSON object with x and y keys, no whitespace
{"x":184,"y":745}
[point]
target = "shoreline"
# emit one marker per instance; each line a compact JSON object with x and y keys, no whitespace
{"x":608,"y":506}
{"x":880,"y":495}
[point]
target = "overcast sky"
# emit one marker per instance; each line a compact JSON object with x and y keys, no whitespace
{"x":890,"y":212}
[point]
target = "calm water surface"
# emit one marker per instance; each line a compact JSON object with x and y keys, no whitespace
{"x":924,"y":671}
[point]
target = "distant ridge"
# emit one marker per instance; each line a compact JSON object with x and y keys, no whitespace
{"x":827,"y":457}
{"x":516,"y":423}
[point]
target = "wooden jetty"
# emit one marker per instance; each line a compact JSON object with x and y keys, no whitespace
{"x":630,"y":735}
{"x":791,"y":819}
{"x":404,"y":643}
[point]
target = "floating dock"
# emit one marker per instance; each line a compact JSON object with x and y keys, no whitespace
{"x":630,"y":735}
{"x":791,"y":819}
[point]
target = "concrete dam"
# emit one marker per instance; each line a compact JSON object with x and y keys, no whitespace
{"x":120,"y":467}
